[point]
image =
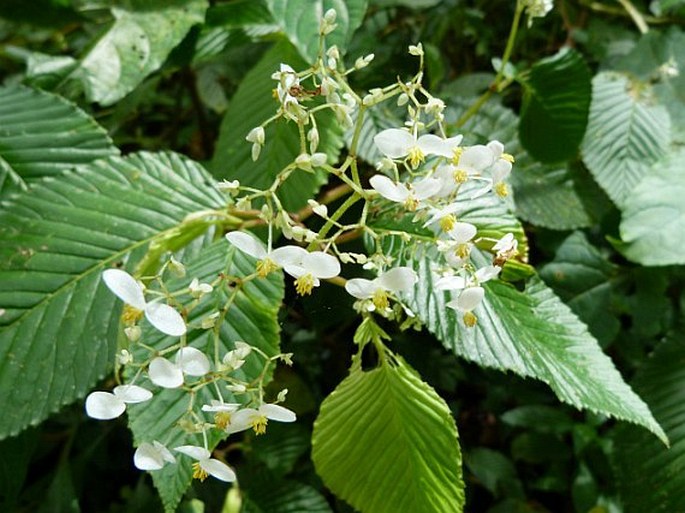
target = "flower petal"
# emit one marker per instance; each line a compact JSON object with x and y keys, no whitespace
{"x":450,"y":283}
{"x":166,"y":319}
{"x":500,"y":170}
{"x":104,"y":406}
{"x":426,"y":188}
{"x":242,"y":420}
{"x":277,"y":412}
{"x":431,"y":144}
{"x":218,"y":469}
{"x":389,"y":189}
{"x":215,"y":405}
{"x":247,"y":244}
{"x":148,"y":457}
{"x":476,"y":158}
{"x":463,"y":232}
{"x":487,"y":273}
{"x":288,"y":255}
{"x":132,"y":394}
{"x":361,"y":288}
{"x":399,"y":279}
{"x":470,"y":298}
{"x":394,"y":142}
{"x":192,"y":361}
{"x":321,"y":265}
{"x":165,"y":374}
{"x":195,"y":452}
{"x":497,"y":148}
{"x":125,"y":287}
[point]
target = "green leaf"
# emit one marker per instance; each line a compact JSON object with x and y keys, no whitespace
{"x":384,"y":441}
{"x":264,"y":493}
{"x":136,"y":44}
{"x":232,"y":158}
{"x":55,"y":241}
{"x":252,"y":317}
{"x":300,"y":20}
{"x":653,"y":224}
{"x":555,"y":107}
{"x":582,"y":276}
{"x":238,"y":14}
{"x":627,"y":133}
{"x":650,"y":476}
{"x":531,"y":333}
{"x":44,"y":137}
{"x":376,"y":119}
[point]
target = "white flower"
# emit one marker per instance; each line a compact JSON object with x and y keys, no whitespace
{"x":267,"y":261}
{"x":197,"y":289}
{"x":396,"y":143}
{"x":257,"y":419}
{"x":106,"y":405}
{"x":468,"y":300}
{"x":206,"y":465}
{"x":222,"y":412}
{"x":399,"y":279}
{"x":506,"y":244}
{"x":455,"y":282}
{"x":410,"y":196}
{"x":458,"y":247}
{"x":235,"y":358}
{"x":231,"y":186}
{"x":152,"y":456}
{"x":163,"y":317}
{"x":537,"y":9}
{"x":189,"y":361}
{"x":307,"y":268}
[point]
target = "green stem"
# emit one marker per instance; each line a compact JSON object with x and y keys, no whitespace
{"x":637,"y":18}
{"x":336,"y":215}
{"x":496,"y":83}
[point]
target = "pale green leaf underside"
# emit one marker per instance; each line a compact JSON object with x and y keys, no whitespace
{"x":533,"y":334}
{"x":626,"y":134}
{"x":385,"y":442}
{"x":252,"y":318}
{"x":650,"y":476}
{"x":653,"y":224}
{"x":59,"y":323}
{"x":252,"y":105}
{"x":300,"y":21}
{"x":138,"y":42}
{"x":42,"y":134}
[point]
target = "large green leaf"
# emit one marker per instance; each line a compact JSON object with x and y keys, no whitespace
{"x":253,"y":104}
{"x":385,"y":442}
{"x":42,"y":134}
{"x":252,"y":317}
{"x":300,"y":20}
{"x":555,"y":107}
{"x":58,"y":324}
{"x":136,"y":44}
{"x":266,"y":493}
{"x":653,"y":224}
{"x":650,"y":476}
{"x":627,"y":133}
{"x":533,"y":334}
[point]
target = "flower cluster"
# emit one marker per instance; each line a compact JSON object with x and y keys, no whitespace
{"x":186,"y":368}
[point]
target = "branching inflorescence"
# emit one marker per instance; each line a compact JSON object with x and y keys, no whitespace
{"x":425,"y":175}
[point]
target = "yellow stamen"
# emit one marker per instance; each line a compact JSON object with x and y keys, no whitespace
{"x":131,"y":315}
{"x":457,"y":155}
{"x":447,"y":222}
{"x":501,"y":189}
{"x":411,"y":203}
{"x":266,"y":266}
{"x":199,"y":472}
{"x":508,"y":157}
{"x":463,"y":250}
{"x":222,"y":419}
{"x":460,"y":176}
{"x":416,"y":157}
{"x":259,"y":425}
{"x":380,"y":299}
{"x":470,"y":319}
{"x":304,"y":284}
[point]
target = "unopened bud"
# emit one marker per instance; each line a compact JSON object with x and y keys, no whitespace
{"x":256,"y":135}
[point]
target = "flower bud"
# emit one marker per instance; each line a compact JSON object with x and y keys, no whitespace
{"x":256,"y":135}
{"x":319,"y":159}
{"x":176,"y":268}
